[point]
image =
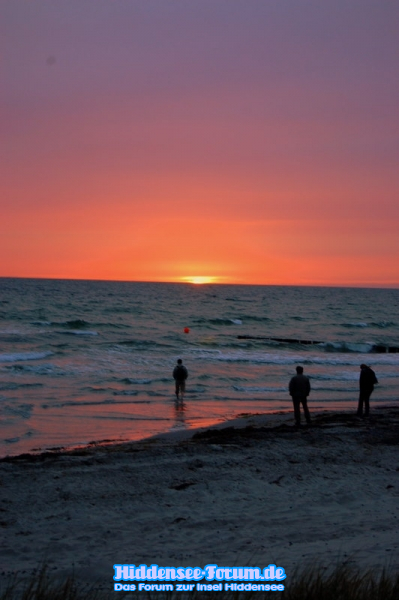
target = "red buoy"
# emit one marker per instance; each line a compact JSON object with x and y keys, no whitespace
{"x":186,"y":330}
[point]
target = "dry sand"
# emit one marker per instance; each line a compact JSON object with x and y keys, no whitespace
{"x":256,"y":493}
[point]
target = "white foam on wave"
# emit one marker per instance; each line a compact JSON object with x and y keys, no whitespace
{"x":21,"y":356}
{"x":79,"y":332}
{"x":363,"y":348}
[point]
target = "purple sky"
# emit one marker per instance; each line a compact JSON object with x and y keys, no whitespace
{"x":268,"y":129}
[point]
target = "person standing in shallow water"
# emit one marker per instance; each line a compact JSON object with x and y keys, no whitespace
{"x":367,"y":380}
{"x":180,"y":375}
{"x":299,"y":389}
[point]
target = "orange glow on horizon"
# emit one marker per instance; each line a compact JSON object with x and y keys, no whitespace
{"x":127,"y":246}
{"x":200,"y":279}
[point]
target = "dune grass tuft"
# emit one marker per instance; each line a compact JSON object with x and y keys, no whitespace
{"x":40,"y":586}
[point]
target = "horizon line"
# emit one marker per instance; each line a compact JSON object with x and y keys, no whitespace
{"x":391,"y":286}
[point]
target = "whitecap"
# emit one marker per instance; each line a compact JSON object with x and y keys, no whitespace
{"x":79,"y":332}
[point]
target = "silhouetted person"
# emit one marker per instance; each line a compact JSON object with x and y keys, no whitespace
{"x":367,"y":380}
{"x":180,"y":375}
{"x":299,"y":391}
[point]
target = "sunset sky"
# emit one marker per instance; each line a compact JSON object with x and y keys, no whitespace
{"x":246,"y":141}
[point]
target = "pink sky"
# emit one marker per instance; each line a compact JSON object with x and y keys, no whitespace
{"x":247,"y":141}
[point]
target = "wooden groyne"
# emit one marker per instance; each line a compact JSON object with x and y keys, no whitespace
{"x":382,"y":349}
{"x":377,"y":348}
{"x":275,"y":339}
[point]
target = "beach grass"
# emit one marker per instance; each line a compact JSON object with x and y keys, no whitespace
{"x":345,"y":582}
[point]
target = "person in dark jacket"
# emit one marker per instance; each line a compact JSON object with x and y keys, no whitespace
{"x":180,"y":375}
{"x":299,"y":389}
{"x":367,"y":380}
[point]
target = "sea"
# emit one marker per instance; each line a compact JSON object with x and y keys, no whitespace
{"x":86,"y":362}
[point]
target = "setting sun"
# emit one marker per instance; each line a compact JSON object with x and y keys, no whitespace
{"x":198,"y":280}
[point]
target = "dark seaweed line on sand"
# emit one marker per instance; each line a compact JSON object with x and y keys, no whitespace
{"x":381,"y":428}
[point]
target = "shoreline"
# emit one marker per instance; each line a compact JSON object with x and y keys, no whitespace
{"x":240,"y":421}
{"x":245,"y":492}
{"x":174,"y":435}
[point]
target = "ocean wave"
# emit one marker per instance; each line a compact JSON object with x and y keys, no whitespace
{"x":218,"y":321}
{"x":137,"y":381}
{"x":46,"y":369}
{"x":22,"y":356}
{"x":342,"y":376}
{"x":384,"y":324}
{"x":19,"y":410}
{"x":4,"y":386}
{"x":142,"y":344}
{"x":198,"y":388}
{"x":205,"y":352}
{"x":108,"y":402}
{"x":73,"y":324}
{"x":110,"y":325}
{"x":80,"y":324}
{"x":362,"y":348}
{"x":110,"y":390}
{"x":254,"y":319}
{"x":13,"y":334}
{"x":256,"y":389}
{"x":375,"y":324}
{"x":329,"y":346}
{"x":297,"y":318}
{"x":117,"y":310}
{"x":305,"y":358}
{"x":336,"y":359}
{"x":349,"y":376}
{"x":79,"y":332}
{"x":352,"y":389}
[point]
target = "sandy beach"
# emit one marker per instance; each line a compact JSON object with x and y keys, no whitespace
{"x":250,"y":492}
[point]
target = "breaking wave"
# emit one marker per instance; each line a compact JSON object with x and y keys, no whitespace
{"x":22,"y":356}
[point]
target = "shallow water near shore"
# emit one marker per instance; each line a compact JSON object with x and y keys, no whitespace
{"x":84,"y":361}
